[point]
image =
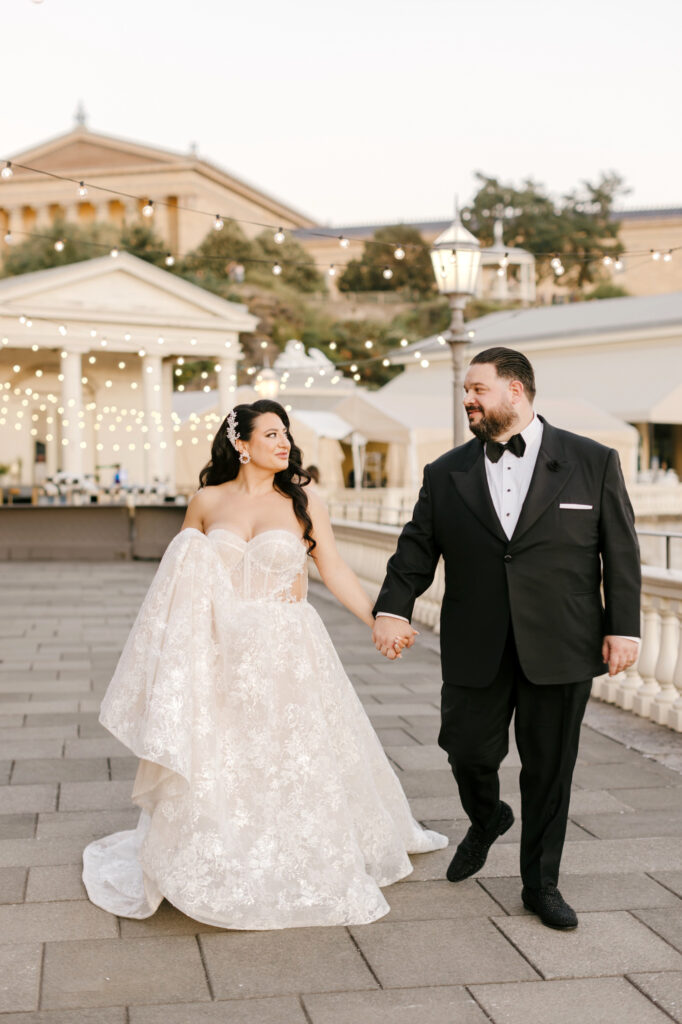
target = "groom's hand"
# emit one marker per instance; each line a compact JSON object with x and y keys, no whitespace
{"x":619,"y":653}
{"x":390,"y":635}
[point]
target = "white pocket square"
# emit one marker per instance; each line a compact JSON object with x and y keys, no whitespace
{"x":571,"y":505}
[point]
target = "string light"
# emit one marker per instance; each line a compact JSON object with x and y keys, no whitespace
{"x":148,"y":208}
{"x":655,"y":255}
{"x":618,"y":265}
{"x":59,"y":245}
{"x":279,"y":236}
{"x":399,"y":253}
{"x":8,"y":238}
{"x":82,"y":190}
{"x":169,"y":260}
{"x":62,"y":330}
{"x":332,"y":271}
{"x":403,"y":342}
{"x":607,"y":261}
{"x":385,"y":362}
{"x":277,"y":269}
{"x":668,"y":256}
{"x":369,"y":344}
{"x":387,"y":273}
{"x":7,"y":171}
{"x":504,"y":262}
{"x":332,"y":345}
{"x":344,"y":242}
{"x":114,"y":253}
{"x":218,"y":223}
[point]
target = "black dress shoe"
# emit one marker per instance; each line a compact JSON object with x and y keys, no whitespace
{"x":471,"y":854}
{"x":550,"y":906}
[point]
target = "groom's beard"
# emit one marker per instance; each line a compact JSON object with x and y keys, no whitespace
{"x":493,"y":422}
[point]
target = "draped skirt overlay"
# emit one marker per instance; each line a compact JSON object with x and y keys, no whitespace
{"x":266,"y":798}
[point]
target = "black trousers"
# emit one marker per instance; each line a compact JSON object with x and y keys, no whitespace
{"x":475,"y":735}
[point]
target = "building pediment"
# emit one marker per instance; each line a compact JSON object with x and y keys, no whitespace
{"x":80,"y":151}
{"x":127,"y":293}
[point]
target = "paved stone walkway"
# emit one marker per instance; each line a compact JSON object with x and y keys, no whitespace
{"x":446,"y":954}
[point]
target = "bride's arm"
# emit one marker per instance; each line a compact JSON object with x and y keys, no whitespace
{"x":194,"y":516}
{"x":336,"y":575}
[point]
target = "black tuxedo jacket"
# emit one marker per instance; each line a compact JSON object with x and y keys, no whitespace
{"x":547,"y":578}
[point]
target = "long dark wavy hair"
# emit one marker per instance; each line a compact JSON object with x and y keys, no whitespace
{"x":224,"y":464}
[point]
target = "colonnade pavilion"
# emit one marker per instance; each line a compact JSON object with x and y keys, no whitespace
{"x":87,"y":356}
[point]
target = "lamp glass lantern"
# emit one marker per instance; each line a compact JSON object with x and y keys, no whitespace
{"x":268,"y":384}
{"x":456,"y":259}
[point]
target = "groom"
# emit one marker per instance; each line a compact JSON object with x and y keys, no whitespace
{"x":530,"y":521}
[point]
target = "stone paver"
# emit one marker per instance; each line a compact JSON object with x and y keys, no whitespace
{"x":603,"y":944}
{"x":433,"y":1005}
{"x":104,"y":972}
{"x":591,"y":1000}
{"x":468,"y":953}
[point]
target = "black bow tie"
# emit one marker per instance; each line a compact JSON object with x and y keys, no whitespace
{"x":494,"y":450}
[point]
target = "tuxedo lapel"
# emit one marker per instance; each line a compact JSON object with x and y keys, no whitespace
{"x":552,"y":472}
{"x":472,"y":486}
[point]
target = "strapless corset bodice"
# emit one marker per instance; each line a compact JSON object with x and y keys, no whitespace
{"x":270,"y":566}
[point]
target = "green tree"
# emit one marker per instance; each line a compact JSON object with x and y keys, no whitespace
{"x":214,"y":261}
{"x":412,"y":274}
{"x":578,"y":228}
{"x":298,"y":269}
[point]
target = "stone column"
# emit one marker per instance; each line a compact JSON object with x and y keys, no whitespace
{"x":167,"y":444}
{"x":72,"y":402}
{"x":153,"y":404}
{"x":675,"y":712}
{"x":43,"y":219}
{"x":71,"y":212}
{"x":225,"y":396}
{"x":131,"y":210}
{"x":648,"y":657}
{"x":665,"y":666}
{"x":101,"y":208}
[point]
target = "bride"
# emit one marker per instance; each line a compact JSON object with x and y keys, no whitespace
{"x":266,"y":798}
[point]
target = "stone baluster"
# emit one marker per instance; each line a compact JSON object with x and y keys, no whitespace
{"x":665,"y":666}
{"x":608,"y":687}
{"x":648,"y":658}
{"x":675,"y":710}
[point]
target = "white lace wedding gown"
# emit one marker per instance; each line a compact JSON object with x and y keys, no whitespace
{"x":267,"y":800}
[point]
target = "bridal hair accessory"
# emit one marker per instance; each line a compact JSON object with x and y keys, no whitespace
{"x":233,"y":435}
{"x":231,"y":429}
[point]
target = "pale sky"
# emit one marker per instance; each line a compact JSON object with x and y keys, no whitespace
{"x":366,"y":110}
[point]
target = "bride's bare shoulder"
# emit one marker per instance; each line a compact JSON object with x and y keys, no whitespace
{"x":202,"y":503}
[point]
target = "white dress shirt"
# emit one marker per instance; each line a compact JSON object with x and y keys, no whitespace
{"x":508,"y":481}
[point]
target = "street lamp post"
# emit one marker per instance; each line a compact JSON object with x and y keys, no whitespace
{"x":456,"y":259}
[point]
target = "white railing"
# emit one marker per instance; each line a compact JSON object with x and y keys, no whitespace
{"x":652,"y":688}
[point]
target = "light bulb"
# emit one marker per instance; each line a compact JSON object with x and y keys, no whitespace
{"x":385,"y":362}
{"x":500,"y":271}
{"x":403,"y":342}
{"x":356,"y":376}
{"x":114,"y":253}
{"x":668,"y":256}
{"x":218,"y":223}
{"x":62,"y":330}
{"x":148,"y":208}
{"x":504,"y":262}
{"x":369,"y":344}
{"x":279,"y":236}
{"x":618,"y":265}
{"x":180,"y":361}
{"x":556,"y":262}
{"x":332,"y":271}
{"x":424,"y":363}
{"x":399,"y":253}
{"x":59,"y":245}
{"x":82,"y":190}
{"x":7,"y":171}
{"x":8,"y":238}
{"x":343,"y":242}
{"x":607,"y":261}
{"x":332,"y":345}
{"x":170,"y":260}
{"x":277,"y":270}
{"x":354,"y":367}
{"x":655,"y":254}
{"x":387,"y":273}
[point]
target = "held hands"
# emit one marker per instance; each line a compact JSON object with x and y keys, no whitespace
{"x":391,"y":635}
{"x":619,"y":653}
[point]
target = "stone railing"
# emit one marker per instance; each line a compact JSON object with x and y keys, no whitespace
{"x":652,"y":688}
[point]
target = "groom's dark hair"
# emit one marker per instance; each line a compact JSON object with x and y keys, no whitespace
{"x":510,"y":364}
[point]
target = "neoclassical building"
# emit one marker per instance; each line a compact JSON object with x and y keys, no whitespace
{"x":178,"y":183}
{"x":87,"y":356}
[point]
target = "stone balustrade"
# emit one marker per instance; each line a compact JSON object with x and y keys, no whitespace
{"x":651,"y":689}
